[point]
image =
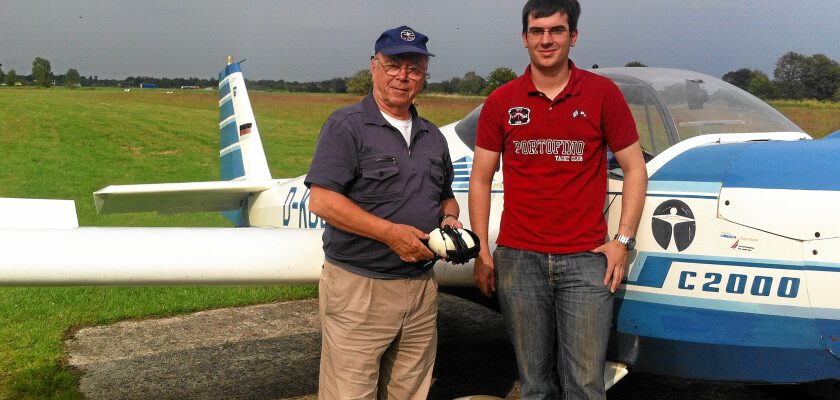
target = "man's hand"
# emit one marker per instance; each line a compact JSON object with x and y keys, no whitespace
{"x":451,"y":221}
{"x":616,"y":258}
{"x":405,"y":240}
{"x":483,"y":273}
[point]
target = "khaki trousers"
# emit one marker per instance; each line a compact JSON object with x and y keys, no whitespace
{"x":379,"y":336}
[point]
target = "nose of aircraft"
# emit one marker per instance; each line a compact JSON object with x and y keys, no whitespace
{"x":791,"y":189}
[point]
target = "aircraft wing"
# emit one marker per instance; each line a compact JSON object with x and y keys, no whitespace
{"x":177,"y":197}
{"x":159,"y":256}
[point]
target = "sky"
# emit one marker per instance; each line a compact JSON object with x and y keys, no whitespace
{"x":314,"y":40}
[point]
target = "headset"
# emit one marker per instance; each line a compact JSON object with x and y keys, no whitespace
{"x":453,"y":244}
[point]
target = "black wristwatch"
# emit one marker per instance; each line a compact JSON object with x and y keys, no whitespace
{"x":628,"y":242}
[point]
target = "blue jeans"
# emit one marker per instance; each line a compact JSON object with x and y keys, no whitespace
{"x":558,"y":314}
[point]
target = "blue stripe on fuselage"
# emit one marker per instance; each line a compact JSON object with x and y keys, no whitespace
{"x":721,"y":345}
{"x":681,"y":189}
{"x":628,"y":293}
{"x":713,"y":326}
{"x":695,"y":187}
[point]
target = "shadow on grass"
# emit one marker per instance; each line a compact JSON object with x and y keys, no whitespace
{"x":47,"y":382}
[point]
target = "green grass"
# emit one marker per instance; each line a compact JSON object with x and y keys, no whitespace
{"x":817,"y":118}
{"x":66,"y":144}
{"x":34,"y":322}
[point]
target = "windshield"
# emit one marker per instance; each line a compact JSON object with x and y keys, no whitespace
{"x":466,"y":128}
{"x":673,"y":105}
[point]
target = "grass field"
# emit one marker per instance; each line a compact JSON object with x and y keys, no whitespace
{"x":818,"y":118}
{"x":65,"y":144}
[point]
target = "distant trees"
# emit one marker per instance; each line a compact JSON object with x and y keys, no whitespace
{"x":789,"y":73}
{"x":360,"y":83}
{"x":497,"y":78}
{"x":169,"y":83}
{"x":42,"y":72}
{"x":334,"y":85}
{"x":474,"y":84}
{"x":796,"y":77}
{"x":11,"y":77}
{"x":2,"y":75}
{"x":71,"y":78}
{"x":448,"y":86}
{"x":814,"y":77}
{"x":753,"y":81}
{"x":761,"y":86}
{"x":740,"y":78}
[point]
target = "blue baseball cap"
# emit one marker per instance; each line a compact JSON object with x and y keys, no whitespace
{"x":402,"y":40}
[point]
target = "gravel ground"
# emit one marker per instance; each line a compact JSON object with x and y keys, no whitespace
{"x":271,"y":352}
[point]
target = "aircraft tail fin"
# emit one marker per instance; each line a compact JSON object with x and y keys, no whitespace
{"x":240,"y":148}
{"x":244,"y":168}
{"x":241,"y":153}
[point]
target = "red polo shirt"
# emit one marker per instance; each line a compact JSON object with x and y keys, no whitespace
{"x":554,"y":159}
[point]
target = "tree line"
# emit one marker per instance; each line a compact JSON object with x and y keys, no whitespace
{"x":796,"y":76}
{"x":471,"y":84}
{"x":41,"y":76}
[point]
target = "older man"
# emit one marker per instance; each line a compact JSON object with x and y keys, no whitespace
{"x":381,"y":178}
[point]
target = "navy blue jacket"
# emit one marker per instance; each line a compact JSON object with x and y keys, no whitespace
{"x":360,"y":155}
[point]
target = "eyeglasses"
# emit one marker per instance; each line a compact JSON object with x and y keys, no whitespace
{"x":414,"y":72}
{"x":555,"y":32}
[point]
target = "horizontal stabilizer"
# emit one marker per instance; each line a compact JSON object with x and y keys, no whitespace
{"x":38,"y":214}
{"x":177,"y":197}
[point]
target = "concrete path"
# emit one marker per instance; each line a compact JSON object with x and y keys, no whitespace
{"x":268,"y":352}
{"x":272,"y":351}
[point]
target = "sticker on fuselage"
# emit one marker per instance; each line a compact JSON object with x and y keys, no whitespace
{"x":673,"y":219}
{"x":739,"y":243}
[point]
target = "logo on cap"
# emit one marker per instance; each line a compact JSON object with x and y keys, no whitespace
{"x":407,"y":35}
